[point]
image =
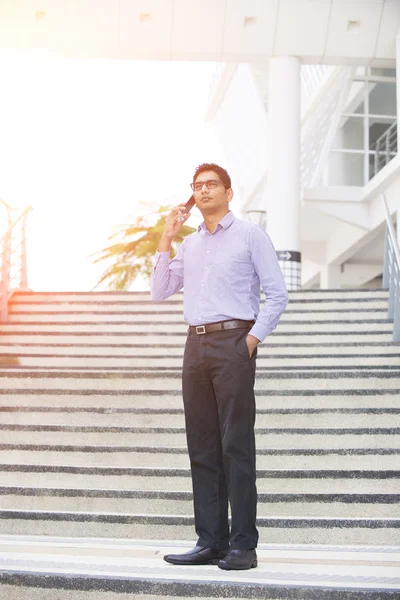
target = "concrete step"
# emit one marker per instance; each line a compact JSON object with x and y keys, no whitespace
{"x":106,"y":296}
{"x":308,"y":530}
{"x":307,"y":438}
{"x":144,"y":418}
{"x":265,"y":350}
{"x":354,"y":326}
{"x":339,"y":399}
{"x":176,"y":318}
{"x":313,"y":295}
{"x":179,"y":502}
{"x":177,"y":457}
{"x":149,"y":381}
{"x":165,"y":339}
{"x":49,"y":568}
{"x":157,"y":362}
{"x":132,"y":306}
{"x":340,"y":294}
{"x":176,"y":306}
{"x":143,"y":478}
{"x":14,"y":369}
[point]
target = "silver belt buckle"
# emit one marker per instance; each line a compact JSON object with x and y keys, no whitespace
{"x":200,"y":329}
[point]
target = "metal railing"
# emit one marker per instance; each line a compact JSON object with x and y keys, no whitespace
{"x":215,"y":79}
{"x":13,"y":263}
{"x":313,"y":76}
{"x":391,"y":272}
{"x":319,"y":126}
{"x":385,"y":148}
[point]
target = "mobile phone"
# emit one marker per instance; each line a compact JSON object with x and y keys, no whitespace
{"x":189,"y":204}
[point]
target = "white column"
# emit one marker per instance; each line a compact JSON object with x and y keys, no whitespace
{"x":283,"y":198}
{"x":398,"y":76}
{"x":398,"y":114}
{"x":330,"y":277}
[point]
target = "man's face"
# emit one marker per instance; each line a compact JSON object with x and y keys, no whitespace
{"x":212,"y":200}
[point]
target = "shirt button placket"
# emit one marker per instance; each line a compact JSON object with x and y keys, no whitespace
{"x":203,"y":283}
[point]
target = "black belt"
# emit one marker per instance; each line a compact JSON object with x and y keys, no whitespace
{"x":220,"y":326}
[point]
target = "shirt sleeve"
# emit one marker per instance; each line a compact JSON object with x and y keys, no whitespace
{"x":167,"y":275}
{"x":272,"y":283}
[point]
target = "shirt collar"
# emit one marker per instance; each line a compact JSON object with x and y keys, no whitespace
{"x":224,"y":223}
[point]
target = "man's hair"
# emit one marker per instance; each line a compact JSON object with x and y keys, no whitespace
{"x":222,"y":173}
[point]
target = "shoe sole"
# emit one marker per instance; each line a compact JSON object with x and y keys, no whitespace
{"x":214,"y":561}
{"x":253,"y":565}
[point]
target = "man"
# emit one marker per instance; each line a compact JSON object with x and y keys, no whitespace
{"x":221,"y":267}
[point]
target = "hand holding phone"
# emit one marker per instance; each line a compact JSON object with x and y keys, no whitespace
{"x":189,"y":205}
{"x":174,"y":223}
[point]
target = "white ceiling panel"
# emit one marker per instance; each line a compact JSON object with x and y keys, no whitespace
{"x":197,"y":30}
{"x":325,"y":31}
{"x":28,"y":24}
{"x":8,"y":23}
{"x":302,"y":27}
{"x":362,"y":18}
{"x":146,"y":28}
{"x":386,"y":46}
{"x":90,"y":28}
{"x":249,"y":28}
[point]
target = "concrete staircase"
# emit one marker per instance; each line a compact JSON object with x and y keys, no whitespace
{"x":93,"y":456}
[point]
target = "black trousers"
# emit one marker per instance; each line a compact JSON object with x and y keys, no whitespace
{"x":219,"y":403}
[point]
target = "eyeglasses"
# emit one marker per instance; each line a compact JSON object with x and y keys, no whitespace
{"x":210,"y":184}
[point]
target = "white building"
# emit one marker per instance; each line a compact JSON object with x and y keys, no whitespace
{"x":347,"y":157}
{"x":310,"y":133}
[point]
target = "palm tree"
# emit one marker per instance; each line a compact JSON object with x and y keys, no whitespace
{"x":133,"y":250}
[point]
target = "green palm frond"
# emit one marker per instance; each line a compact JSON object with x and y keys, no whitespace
{"x":133,"y":250}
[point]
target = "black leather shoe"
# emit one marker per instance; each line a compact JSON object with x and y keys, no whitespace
{"x":197,"y":556}
{"x":239,"y":560}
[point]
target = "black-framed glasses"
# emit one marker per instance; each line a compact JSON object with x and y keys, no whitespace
{"x":210,"y":184}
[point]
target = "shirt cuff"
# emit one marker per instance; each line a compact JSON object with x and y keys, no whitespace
{"x":259,"y":331}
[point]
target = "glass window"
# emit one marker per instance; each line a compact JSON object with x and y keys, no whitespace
{"x":383,"y":72}
{"x":383,"y":145}
{"x":382,"y":98}
{"x":375,"y":164}
{"x":377,"y":130}
{"x":346,"y":162}
{"x":360,"y":109}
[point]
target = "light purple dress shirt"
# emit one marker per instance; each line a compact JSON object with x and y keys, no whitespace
{"x":221,"y":274}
